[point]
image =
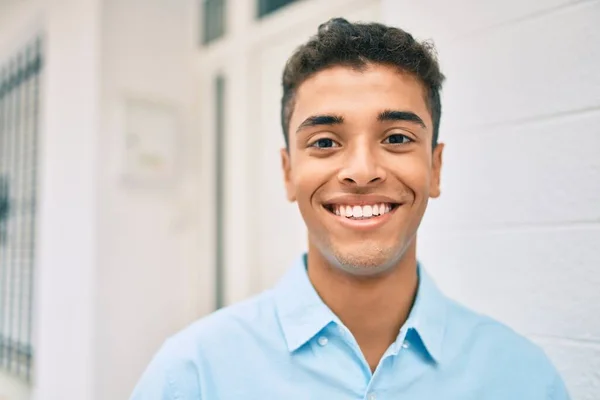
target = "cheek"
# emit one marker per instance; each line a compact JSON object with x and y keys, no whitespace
{"x":309,"y":176}
{"x":414,"y":172}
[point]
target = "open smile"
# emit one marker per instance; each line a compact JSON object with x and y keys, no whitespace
{"x":359,"y":212}
{"x":363,"y":216}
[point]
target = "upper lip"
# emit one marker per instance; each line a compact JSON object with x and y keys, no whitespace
{"x":359,"y":200}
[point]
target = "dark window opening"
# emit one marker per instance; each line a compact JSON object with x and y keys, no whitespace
{"x":213,"y":21}
{"x":266,"y":7}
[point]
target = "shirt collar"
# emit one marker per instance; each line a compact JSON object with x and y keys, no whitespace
{"x":302,"y":314}
{"x":428,"y":315}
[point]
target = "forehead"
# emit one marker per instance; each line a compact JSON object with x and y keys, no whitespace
{"x":360,"y":93}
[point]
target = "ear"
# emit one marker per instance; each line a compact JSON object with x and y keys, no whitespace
{"x":434,"y":188}
{"x":286,"y":166}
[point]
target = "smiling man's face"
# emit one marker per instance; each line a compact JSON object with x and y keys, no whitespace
{"x":360,"y":164}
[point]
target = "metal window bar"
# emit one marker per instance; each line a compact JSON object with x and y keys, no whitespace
{"x":220,"y":189}
{"x":19,"y":123}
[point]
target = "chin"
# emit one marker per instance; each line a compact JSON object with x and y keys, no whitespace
{"x":366,"y":259}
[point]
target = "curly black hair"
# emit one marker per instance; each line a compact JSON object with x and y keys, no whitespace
{"x":339,"y":42}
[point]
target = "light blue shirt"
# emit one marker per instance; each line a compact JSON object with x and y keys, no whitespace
{"x":287,"y":344}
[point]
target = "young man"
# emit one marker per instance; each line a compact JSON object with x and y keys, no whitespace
{"x":357,"y":317}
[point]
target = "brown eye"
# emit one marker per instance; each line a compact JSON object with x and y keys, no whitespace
{"x":324,"y":143}
{"x":397,"y":139}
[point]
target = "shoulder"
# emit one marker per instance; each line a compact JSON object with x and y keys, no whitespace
{"x":497,"y":351}
{"x":229,"y":325}
{"x":475,"y":333}
{"x":171,"y":374}
{"x":177,"y":367}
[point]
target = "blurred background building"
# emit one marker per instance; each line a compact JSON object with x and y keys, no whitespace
{"x":140,"y":186}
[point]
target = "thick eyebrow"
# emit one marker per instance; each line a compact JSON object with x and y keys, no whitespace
{"x":321,"y":120}
{"x":394,"y":115}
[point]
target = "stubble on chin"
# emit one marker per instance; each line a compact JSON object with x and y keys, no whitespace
{"x":365,"y":259}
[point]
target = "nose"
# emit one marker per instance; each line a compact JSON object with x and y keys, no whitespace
{"x":361,"y":167}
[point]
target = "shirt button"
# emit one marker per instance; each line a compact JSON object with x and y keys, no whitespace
{"x":323,"y":341}
{"x":405,"y":345}
{"x":371,"y":396}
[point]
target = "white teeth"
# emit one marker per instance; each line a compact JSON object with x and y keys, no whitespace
{"x":366,"y":211}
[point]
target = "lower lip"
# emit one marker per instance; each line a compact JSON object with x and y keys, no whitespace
{"x":364,"y":224}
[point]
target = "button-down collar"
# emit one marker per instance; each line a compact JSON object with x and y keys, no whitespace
{"x":302,"y":313}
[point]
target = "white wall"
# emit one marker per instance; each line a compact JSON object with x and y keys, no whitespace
{"x":516,"y":231}
{"x":19,"y":22}
{"x":67,"y":243}
{"x":13,"y":389}
{"x":120,"y":267}
{"x":152,"y":279}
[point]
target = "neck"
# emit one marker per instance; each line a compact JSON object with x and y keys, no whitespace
{"x":372,"y":308}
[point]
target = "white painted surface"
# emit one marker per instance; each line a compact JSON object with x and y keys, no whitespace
{"x":13,"y":389}
{"x":516,"y":231}
{"x":152,"y":279}
{"x":67,"y":264}
{"x":121,"y":267}
{"x":20,"y":21}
